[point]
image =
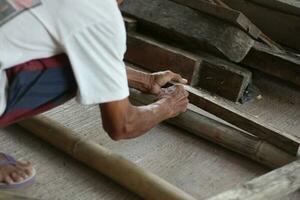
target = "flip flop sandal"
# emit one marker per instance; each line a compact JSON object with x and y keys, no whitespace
{"x":9,"y":160}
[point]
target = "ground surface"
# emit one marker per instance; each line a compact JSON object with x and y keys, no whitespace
{"x":195,"y":165}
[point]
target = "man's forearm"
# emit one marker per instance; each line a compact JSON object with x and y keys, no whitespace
{"x":134,"y":121}
{"x":143,"y":118}
{"x":138,"y":80}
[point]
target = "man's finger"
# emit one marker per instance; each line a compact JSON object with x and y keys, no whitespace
{"x":178,"y":78}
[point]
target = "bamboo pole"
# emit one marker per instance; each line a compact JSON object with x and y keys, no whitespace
{"x":224,"y":135}
{"x":9,"y":196}
{"x":274,"y":185}
{"x":126,"y":173}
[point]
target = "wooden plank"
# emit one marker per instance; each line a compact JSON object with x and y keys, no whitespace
{"x":130,"y":24}
{"x":154,"y":56}
{"x":285,"y":66}
{"x":226,"y":80}
{"x":281,"y":27}
{"x":189,"y":27}
{"x":224,"y":135}
{"x":274,"y":185}
{"x":215,"y":75}
{"x":232,"y":16}
{"x":287,"y":6}
{"x":222,"y":109}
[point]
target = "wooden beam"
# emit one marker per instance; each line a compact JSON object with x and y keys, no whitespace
{"x":154,"y":56}
{"x":283,"y":65}
{"x":224,"y":135}
{"x":222,"y":109}
{"x":229,"y":15}
{"x":189,"y":27}
{"x":143,"y":183}
{"x":274,"y":185}
{"x":282,"y":27}
{"x":130,"y":24}
{"x":226,"y":80}
{"x":286,"y":6}
{"x":213,"y":74}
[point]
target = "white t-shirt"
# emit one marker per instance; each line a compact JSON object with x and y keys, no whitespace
{"x":90,"y":32}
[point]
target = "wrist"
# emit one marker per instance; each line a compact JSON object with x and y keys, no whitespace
{"x":164,"y":106}
{"x":141,"y":81}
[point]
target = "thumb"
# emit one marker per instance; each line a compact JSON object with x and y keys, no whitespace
{"x":179,"y":79}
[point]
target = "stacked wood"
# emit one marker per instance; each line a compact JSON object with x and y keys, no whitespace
{"x":188,"y":27}
{"x":283,"y":65}
{"x":286,"y":6}
{"x":220,"y":10}
{"x":278,"y":19}
{"x":213,"y":74}
{"x":124,"y":172}
{"x":205,"y":70}
{"x":154,"y":56}
{"x":274,"y":185}
{"x":224,"y":135}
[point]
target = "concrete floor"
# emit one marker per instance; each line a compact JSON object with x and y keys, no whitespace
{"x":199,"y":167}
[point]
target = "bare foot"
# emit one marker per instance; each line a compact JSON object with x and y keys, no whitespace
{"x":10,"y":174}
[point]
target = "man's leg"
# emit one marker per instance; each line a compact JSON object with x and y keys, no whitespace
{"x":34,"y":87}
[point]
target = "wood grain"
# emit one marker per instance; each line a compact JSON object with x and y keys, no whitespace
{"x":189,"y":27}
{"x":283,"y":65}
{"x":274,"y":185}
{"x":282,"y":27}
{"x":224,"y":13}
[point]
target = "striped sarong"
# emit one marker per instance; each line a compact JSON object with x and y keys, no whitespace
{"x":37,"y":86}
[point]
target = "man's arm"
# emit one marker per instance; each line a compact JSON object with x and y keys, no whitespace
{"x":122,"y":120}
{"x":151,"y":82}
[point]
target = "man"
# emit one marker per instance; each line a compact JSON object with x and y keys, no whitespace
{"x":92,"y":35}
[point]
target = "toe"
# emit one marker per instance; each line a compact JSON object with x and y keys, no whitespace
{"x":8,"y":180}
{"x":26,"y":170}
{"x":24,"y":164}
{"x":23,"y":175}
{"x":16,"y":177}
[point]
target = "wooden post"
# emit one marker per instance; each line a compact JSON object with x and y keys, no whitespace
{"x":226,"y":136}
{"x":124,"y":172}
{"x":274,"y":185}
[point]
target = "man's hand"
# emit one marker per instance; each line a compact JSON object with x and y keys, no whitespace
{"x":151,"y":83}
{"x":121,"y":120}
{"x":160,"y":79}
{"x":175,"y":98}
